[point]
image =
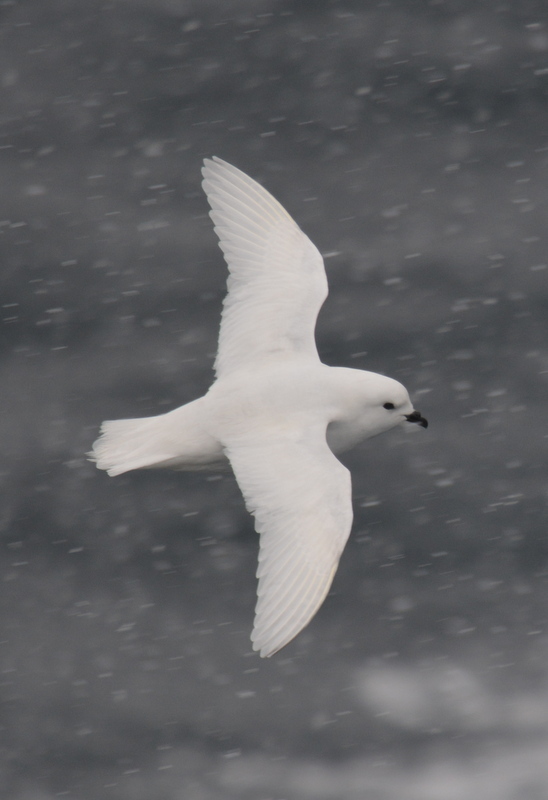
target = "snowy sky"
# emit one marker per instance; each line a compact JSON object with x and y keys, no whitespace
{"x":410,"y":141}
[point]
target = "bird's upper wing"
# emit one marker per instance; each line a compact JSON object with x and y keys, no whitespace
{"x":300,"y":495}
{"x":277,"y":280}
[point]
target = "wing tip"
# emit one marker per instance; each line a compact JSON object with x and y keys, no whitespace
{"x":208,"y":166}
{"x":271,"y":634}
{"x":267,"y":649}
{"x":211,"y":164}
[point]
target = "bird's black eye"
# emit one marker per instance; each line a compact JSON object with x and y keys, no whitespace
{"x":389,"y":406}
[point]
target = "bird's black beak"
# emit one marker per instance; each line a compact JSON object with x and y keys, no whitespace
{"x":417,"y":417}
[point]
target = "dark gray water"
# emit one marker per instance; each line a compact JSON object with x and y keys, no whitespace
{"x":410,"y":141}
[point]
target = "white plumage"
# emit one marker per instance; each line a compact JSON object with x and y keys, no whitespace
{"x":304,"y":521}
{"x":277,"y":280}
{"x":275,"y":411}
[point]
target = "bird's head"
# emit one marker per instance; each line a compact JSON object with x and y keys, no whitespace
{"x":386,"y":403}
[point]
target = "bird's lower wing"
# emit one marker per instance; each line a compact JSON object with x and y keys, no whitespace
{"x":277,"y":280}
{"x":300,"y":496}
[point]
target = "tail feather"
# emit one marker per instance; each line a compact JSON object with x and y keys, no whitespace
{"x":126,"y":444}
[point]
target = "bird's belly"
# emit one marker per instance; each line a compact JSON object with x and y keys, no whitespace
{"x":215,"y":462}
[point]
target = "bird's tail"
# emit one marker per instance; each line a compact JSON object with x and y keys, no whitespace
{"x":126,"y":444}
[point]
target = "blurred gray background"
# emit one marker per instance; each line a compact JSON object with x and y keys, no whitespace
{"x":409,"y":139}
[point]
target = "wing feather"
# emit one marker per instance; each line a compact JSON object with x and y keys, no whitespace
{"x":277,"y":281}
{"x":300,"y":495}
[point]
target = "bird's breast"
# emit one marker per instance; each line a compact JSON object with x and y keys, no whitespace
{"x":343,"y":435}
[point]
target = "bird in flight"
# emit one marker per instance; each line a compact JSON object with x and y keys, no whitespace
{"x":275,"y":411}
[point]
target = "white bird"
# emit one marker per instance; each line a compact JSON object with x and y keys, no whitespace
{"x":275,"y":411}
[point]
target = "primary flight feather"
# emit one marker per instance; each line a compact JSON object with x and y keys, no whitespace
{"x":274,"y":411}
